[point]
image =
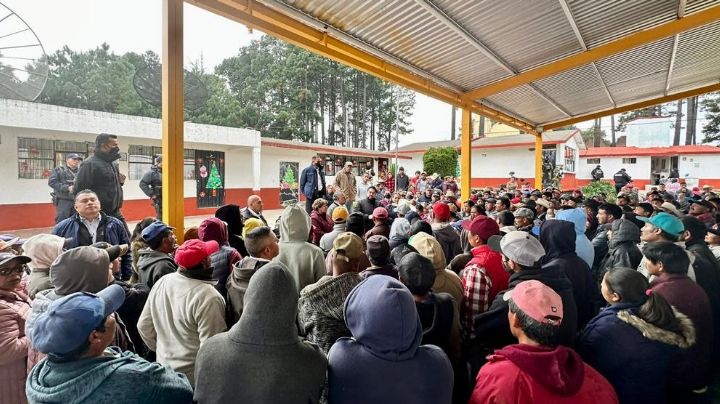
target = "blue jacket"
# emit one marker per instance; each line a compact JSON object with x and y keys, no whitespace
{"x":114,"y":377}
{"x":384,"y":361}
{"x":308,"y":181}
{"x":632,"y":354}
{"x":111,"y":230}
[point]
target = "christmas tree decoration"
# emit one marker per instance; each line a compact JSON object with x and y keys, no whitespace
{"x":214,"y":181}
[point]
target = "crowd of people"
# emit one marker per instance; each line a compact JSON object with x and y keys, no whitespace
{"x":386,"y":291}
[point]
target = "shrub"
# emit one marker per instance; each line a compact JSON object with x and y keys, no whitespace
{"x":441,"y":160}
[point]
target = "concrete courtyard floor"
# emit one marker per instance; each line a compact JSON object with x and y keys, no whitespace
{"x":190,"y":221}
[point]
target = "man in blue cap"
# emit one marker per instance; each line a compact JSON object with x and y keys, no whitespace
{"x":62,"y":181}
{"x":156,"y":260}
{"x":662,"y":227}
{"x":75,"y":333}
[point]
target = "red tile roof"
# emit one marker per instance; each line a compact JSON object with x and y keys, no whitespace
{"x":649,"y":151}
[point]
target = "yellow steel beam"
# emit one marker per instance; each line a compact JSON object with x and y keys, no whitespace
{"x":465,"y":154}
{"x":538,"y":160}
{"x":634,"y":106}
{"x":634,"y":40}
{"x":173,"y":116}
{"x":258,"y":16}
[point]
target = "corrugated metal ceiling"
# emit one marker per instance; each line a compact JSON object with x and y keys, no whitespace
{"x":445,"y":38}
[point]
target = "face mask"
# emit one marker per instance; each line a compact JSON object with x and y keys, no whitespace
{"x":114,"y":150}
{"x":318,"y":164}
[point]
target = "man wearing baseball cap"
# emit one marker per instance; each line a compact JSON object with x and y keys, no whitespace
{"x":321,"y":301}
{"x":76,"y":332}
{"x":339,"y":217}
{"x":524,"y":219}
{"x":381,"y":226}
{"x":522,"y":257}
{"x":661,"y":227}
{"x":537,"y":369}
{"x":484,"y":276}
{"x":62,"y":182}
{"x":444,"y":232}
{"x":184,"y":309}
{"x":155,"y":261}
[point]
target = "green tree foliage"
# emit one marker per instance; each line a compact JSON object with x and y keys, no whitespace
{"x":711,"y":106}
{"x":588,"y":136}
{"x":440,"y":160}
{"x":597,"y":187}
{"x":279,"y":89}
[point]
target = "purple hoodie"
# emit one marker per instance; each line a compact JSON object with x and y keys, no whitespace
{"x":384,"y":362}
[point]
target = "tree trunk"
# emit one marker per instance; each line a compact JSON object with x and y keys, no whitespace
{"x":481,"y":127}
{"x":596,"y":133}
{"x":678,"y":123}
{"x":691,"y":120}
{"x":612,"y":130}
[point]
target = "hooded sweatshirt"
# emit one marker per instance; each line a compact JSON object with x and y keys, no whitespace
{"x":225,"y":258}
{"x":261,"y":359}
{"x":622,"y":247}
{"x":399,"y":232}
{"x":115,"y":376}
{"x":304,"y":261}
{"x":560,"y":253}
{"x":237,"y":285}
{"x":81,"y":269}
{"x":320,"y":309}
{"x":583,"y":246}
{"x":153,"y":265}
{"x":445,"y":280}
{"x":384,"y":361}
{"x":448,"y":238}
{"x":535,"y":374}
{"x":42,"y":249}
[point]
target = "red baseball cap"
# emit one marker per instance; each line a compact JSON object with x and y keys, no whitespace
{"x":538,"y":301}
{"x":441,"y":211}
{"x":482,"y":226}
{"x":515,"y":200}
{"x":380,"y":213}
{"x":192,"y":252}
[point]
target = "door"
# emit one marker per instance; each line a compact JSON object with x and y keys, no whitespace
{"x":210,"y":178}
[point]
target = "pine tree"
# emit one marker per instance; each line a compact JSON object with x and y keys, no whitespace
{"x":289,"y":177}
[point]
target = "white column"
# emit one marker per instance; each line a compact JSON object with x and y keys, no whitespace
{"x":256,"y":168}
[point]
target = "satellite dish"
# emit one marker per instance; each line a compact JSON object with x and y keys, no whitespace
{"x":23,"y":62}
{"x":148,"y":84}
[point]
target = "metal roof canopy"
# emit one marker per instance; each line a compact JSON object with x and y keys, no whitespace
{"x":534,"y":65}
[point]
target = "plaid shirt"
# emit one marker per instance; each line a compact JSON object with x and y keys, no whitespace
{"x":476,"y":295}
{"x":390,"y":185}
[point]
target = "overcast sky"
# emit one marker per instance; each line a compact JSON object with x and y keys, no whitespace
{"x":135,"y":25}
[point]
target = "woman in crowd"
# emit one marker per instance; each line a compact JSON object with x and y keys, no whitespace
{"x":632,"y":342}
{"x":321,"y":221}
{"x":14,"y":344}
{"x":136,"y":244}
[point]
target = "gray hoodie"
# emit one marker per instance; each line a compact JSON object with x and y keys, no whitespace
{"x":261,"y":359}
{"x":153,"y":265}
{"x":304,"y":261}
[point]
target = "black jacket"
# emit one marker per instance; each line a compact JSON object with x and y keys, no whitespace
{"x":403,"y":182}
{"x":623,"y":250}
{"x":707,"y":276}
{"x":621,"y":178}
{"x":560,"y":255}
{"x":492,"y":328}
{"x":135,"y":297}
{"x":61,"y":178}
{"x":246,"y":214}
{"x":153,"y":265}
{"x":100,"y":174}
{"x":151,"y":183}
{"x":600,"y":245}
{"x":449,"y":240}
{"x":366,"y":206}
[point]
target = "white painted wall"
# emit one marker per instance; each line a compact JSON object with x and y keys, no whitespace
{"x":238,"y":165}
{"x":611,"y":165}
{"x":699,"y":166}
{"x":498,"y":162}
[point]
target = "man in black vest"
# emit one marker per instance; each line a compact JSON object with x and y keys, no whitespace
{"x":62,"y":181}
{"x":151,"y":185}
{"x":621,"y":179}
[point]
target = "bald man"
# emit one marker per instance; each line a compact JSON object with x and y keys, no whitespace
{"x":254,"y":209}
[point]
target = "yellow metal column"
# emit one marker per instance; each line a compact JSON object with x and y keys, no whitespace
{"x":173,"y":116}
{"x":465,"y":154}
{"x":538,"y":160}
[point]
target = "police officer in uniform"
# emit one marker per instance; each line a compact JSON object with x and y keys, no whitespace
{"x":151,"y":185}
{"x":62,"y":181}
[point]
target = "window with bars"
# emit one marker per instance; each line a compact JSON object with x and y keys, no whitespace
{"x":593,"y":161}
{"x":569,"y":159}
{"x":334,"y":163}
{"x":37,"y":157}
{"x":140,"y":159}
